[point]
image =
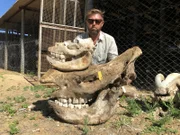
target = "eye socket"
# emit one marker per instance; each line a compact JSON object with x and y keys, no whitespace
{"x":97,"y":21}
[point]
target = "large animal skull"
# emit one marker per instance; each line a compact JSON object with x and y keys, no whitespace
{"x":69,"y":56}
{"x":92,"y":93}
{"x":167,"y":88}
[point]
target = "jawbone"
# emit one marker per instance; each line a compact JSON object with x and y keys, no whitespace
{"x":74,"y":65}
{"x":92,"y":93}
{"x":99,"y":112}
{"x":71,"y":56}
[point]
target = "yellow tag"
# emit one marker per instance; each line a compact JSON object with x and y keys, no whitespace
{"x":100,"y":75}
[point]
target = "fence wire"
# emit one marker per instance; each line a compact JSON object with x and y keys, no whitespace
{"x":152,"y":25}
{"x":14,"y":57}
{"x":62,"y":20}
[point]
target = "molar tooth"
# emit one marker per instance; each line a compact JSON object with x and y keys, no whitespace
{"x":56,"y":102}
{"x":85,"y":100}
{"x":71,"y":106}
{"x":52,"y":53}
{"x":60,"y":104}
{"x":56,"y":55}
{"x":69,"y":100}
{"x":64,"y":101}
{"x":65,"y":105}
{"x":81,"y":100}
{"x":78,"y":106}
{"x":86,"y":106}
{"x":75,"y":101}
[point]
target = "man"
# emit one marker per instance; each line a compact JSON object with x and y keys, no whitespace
{"x":105,"y":45}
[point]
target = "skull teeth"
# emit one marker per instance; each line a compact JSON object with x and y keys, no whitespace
{"x":59,"y":57}
{"x":73,"y":103}
{"x":65,"y":103}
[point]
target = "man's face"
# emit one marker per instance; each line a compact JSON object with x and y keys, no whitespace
{"x":94,"y":23}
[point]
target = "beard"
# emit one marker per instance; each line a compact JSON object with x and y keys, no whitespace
{"x":94,"y":31}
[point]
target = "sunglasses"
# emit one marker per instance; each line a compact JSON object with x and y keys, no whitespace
{"x":91,"y":21}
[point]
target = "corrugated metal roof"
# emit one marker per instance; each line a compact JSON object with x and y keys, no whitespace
{"x":13,"y":15}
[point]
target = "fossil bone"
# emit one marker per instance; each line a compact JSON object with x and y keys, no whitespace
{"x":167,"y":88}
{"x":70,"y":56}
{"x":92,"y":93}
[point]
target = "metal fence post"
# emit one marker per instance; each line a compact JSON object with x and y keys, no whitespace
{"x":22,"y":42}
{"x":6,"y":50}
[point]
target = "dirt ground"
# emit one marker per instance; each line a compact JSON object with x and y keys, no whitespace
{"x":24,"y":111}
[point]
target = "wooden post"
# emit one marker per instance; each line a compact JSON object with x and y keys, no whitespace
{"x":40,"y":40}
{"x":22,"y":41}
{"x":64,"y":19}
{"x":88,"y":6}
{"x":6,"y":50}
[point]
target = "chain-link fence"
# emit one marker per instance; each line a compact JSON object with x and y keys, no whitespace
{"x":14,"y":24}
{"x":14,"y":57}
{"x":154,"y":26}
{"x":61,"y":20}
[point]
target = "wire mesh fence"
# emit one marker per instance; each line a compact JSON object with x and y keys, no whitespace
{"x":14,"y":57}
{"x":152,"y":25}
{"x":61,"y":20}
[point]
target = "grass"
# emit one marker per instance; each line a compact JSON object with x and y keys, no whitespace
{"x":85,"y":128}
{"x":133,"y":108}
{"x":1,"y":77}
{"x":123,"y":120}
{"x":172,"y":111}
{"x":159,"y":126}
{"x":24,"y":105}
{"x":40,"y":88}
{"x":13,"y":127}
{"x":19,"y":99}
{"x":8,"y":108}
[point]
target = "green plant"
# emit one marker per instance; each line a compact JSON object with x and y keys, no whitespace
{"x":13,"y":127}
{"x":25,"y":105}
{"x":19,"y":99}
{"x":158,"y":126}
{"x":148,"y":106}
{"x":123,"y":120}
{"x":159,"y":130}
{"x":25,"y":115}
{"x":8,"y":107}
{"x":35,"y":125}
{"x":12,"y":88}
{"x":133,"y":107}
{"x":30,"y":73}
{"x":26,"y":88}
{"x":37,"y":95}
{"x":32,"y":118}
{"x":8,"y":98}
{"x":48,"y":92}
{"x":85,"y":128}
{"x":35,"y":88}
{"x":2,"y":77}
{"x":172,"y":111}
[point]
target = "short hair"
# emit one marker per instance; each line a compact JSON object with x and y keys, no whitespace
{"x":94,"y":11}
